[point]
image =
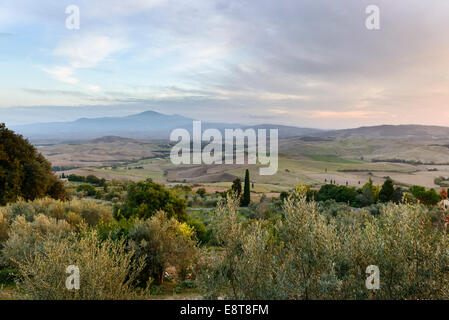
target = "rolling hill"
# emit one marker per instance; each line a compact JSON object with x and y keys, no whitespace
{"x":145,"y":125}
{"x":412,"y":132}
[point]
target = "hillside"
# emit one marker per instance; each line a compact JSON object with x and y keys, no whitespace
{"x":411,"y":132}
{"x":146,"y":125}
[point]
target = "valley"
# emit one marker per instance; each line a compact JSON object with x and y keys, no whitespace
{"x":351,"y":160}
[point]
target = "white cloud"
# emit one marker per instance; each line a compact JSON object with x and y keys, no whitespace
{"x":81,"y":53}
{"x":63,"y":74}
{"x":93,"y":87}
{"x":88,"y":51}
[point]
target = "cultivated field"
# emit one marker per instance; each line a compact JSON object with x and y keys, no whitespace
{"x":313,"y":163}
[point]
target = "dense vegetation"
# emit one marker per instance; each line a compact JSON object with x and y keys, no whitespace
{"x":130,"y":239}
{"x":309,"y":254}
{"x":291,"y":249}
{"x":145,"y":198}
{"x":24,"y":173}
{"x":370,"y":194}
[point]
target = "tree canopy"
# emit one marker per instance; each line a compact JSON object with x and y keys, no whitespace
{"x":145,"y":198}
{"x":24,"y":172}
{"x":427,"y":197}
{"x":387,"y":192}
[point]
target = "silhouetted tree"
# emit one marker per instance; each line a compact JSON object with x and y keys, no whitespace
{"x":246,"y":191}
{"x":387,"y":191}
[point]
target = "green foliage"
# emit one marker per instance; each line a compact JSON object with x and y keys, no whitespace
{"x":162,"y":241}
{"x":25,"y":238}
{"x":200,"y":230}
{"x":89,"y":179}
{"x":24,"y":172}
{"x":311,"y":254}
{"x":387,"y":192}
{"x":88,"y":189}
{"x":74,"y":213}
{"x":115,"y":229}
{"x":76,"y":178}
{"x":246,"y":199}
{"x":236,"y":187}
{"x":283,"y":195}
{"x":145,"y":198}
{"x":95,"y":180}
{"x":201,"y":192}
{"x":181,"y":187}
{"x":398,"y":195}
{"x":337,"y":193}
{"x":187,"y":284}
{"x":7,"y":276}
{"x":107,"y":269}
{"x":368,"y":195}
{"x":430,"y":197}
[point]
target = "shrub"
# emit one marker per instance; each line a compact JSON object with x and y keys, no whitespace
{"x":107,"y":270}
{"x":25,"y":238}
{"x":4,"y":228}
{"x":163,"y":242}
{"x":7,"y":276}
{"x":430,"y":197}
{"x":87,"y":189}
{"x":200,"y":230}
{"x":145,"y":198}
{"x":308,"y":255}
{"x":76,"y":178}
{"x":116,"y":229}
{"x":201,"y":192}
{"x":187,"y":284}
{"x":91,"y":212}
{"x":337,"y":193}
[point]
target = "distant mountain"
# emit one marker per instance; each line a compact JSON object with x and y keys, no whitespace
{"x":287,"y":131}
{"x":408,"y":132}
{"x":145,"y":125}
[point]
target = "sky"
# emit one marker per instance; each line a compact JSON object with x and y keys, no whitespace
{"x":307,"y":63}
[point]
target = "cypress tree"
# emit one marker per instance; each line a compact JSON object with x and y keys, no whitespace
{"x":246,"y":191}
{"x":387,"y":192}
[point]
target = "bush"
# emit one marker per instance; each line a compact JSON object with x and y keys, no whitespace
{"x":116,"y":229}
{"x":430,"y":197}
{"x":200,"y":230}
{"x":87,"y":189}
{"x":7,"y":276}
{"x":25,"y":238}
{"x":145,"y":198}
{"x":308,"y":255}
{"x":4,"y":228}
{"x":163,"y":242}
{"x":337,"y":193}
{"x":76,"y":178}
{"x":89,"y":212}
{"x":187,"y":284}
{"x":201,"y":192}
{"x":107,"y":270}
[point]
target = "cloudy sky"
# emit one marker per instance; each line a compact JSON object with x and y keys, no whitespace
{"x":299,"y":62}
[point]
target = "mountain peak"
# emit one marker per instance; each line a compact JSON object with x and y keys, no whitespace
{"x":148,"y":113}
